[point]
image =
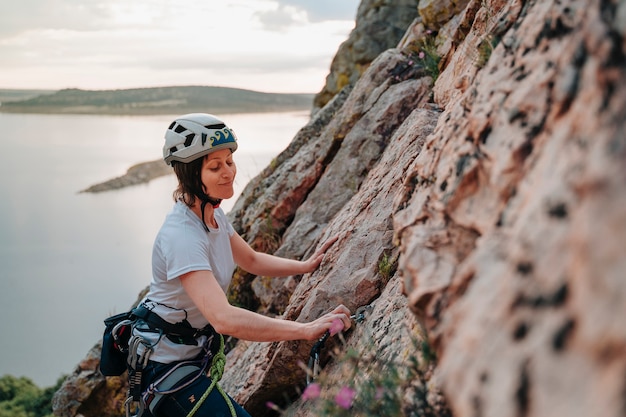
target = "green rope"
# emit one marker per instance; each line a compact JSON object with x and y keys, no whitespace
{"x":217,"y":370}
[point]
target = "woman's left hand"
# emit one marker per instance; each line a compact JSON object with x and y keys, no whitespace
{"x":316,"y":259}
{"x":333,"y":322}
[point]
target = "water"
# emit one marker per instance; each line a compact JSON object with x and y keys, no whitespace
{"x":71,"y":259}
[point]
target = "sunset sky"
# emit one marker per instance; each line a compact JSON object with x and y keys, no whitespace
{"x":263,"y":45}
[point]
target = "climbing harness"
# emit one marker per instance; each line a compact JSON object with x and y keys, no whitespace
{"x":138,"y":350}
{"x":184,"y":374}
{"x":314,"y":357}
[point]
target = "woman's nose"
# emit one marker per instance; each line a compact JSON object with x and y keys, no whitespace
{"x":228,"y":171}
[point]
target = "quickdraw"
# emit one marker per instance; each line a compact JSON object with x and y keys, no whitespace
{"x":314,"y":357}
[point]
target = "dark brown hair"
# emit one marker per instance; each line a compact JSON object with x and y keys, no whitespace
{"x":190,"y":184}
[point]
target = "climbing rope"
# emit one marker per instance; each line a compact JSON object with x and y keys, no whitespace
{"x":217,"y":370}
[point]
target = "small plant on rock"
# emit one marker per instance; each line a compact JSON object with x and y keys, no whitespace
{"x":485,"y":48}
{"x":424,"y":51}
{"x":376,"y":387}
{"x":387,"y":267}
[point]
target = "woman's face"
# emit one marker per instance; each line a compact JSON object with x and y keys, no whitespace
{"x":218,"y":174}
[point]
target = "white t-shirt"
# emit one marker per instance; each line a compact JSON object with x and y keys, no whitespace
{"x":181,"y":246}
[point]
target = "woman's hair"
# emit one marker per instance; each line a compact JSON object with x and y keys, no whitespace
{"x":190,"y":184}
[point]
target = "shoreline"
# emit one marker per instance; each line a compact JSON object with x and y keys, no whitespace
{"x":142,"y":111}
{"x":140,"y":173}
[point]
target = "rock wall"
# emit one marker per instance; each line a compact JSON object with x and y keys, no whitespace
{"x":513,"y":222}
{"x":355,"y":183}
{"x":479,"y":206}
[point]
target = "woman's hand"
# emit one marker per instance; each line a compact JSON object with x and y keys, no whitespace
{"x":335,"y":321}
{"x":315,"y":260}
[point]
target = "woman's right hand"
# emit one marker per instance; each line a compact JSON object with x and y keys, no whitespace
{"x":335,"y":321}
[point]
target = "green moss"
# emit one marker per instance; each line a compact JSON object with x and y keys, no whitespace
{"x":485,"y":48}
{"x":386,"y":267}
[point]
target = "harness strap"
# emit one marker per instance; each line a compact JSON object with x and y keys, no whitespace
{"x":182,"y":330}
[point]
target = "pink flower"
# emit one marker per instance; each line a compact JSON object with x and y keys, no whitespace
{"x":380,"y":393}
{"x":422,"y":55}
{"x":344,"y":397}
{"x":272,"y":406}
{"x":312,"y":391}
{"x":336,"y":327}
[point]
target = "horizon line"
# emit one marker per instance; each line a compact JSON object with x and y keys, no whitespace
{"x":145,"y":88}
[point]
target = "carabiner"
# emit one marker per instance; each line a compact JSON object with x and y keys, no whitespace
{"x":361,"y":312}
{"x":314,"y":357}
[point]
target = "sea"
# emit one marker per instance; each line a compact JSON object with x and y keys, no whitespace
{"x":69,"y":259}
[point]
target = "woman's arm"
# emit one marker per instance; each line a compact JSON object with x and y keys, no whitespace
{"x":259,"y":263}
{"x":207,"y":295}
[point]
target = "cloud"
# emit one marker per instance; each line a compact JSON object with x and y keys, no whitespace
{"x":29,"y":15}
{"x":91,"y":15}
{"x":254,"y":64}
{"x":320,"y":10}
{"x":281,"y":19}
{"x":287,"y":13}
{"x":96,"y":44}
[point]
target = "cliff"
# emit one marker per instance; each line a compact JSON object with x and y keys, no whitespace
{"x":476,"y":176}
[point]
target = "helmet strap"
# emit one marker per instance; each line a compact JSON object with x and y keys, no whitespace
{"x":215,"y":202}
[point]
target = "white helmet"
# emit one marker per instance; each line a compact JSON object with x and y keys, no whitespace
{"x":194,"y":135}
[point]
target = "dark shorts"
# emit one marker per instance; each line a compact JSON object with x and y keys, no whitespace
{"x":180,"y":403}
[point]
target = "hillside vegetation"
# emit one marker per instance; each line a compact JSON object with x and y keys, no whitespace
{"x":158,"y":100}
{"x":7,"y":94}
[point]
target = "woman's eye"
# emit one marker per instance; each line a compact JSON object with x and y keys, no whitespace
{"x":218,"y":166}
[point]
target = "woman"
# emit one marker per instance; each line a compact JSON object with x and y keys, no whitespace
{"x":193,"y":259}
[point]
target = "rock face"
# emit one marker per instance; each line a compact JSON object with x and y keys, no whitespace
{"x":359,"y":187}
{"x":480,"y":211}
{"x":513,"y":224}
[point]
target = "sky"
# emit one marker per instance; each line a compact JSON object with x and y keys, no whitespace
{"x":283,"y":46}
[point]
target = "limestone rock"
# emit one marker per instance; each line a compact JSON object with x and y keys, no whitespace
{"x":511,"y":252}
{"x":87,"y":392}
{"x":435,"y":13}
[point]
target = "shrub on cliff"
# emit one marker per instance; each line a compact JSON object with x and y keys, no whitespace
{"x":20,"y":397}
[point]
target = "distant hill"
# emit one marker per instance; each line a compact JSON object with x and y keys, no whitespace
{"x":7,"y":95}
{"x":158,"y":100}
